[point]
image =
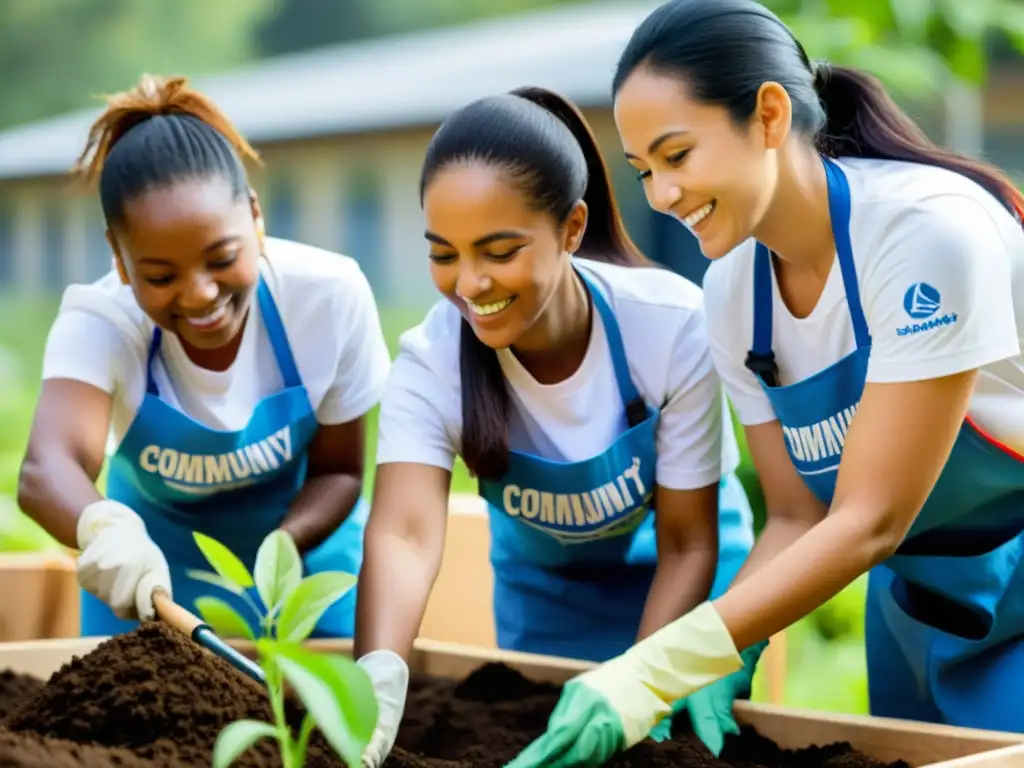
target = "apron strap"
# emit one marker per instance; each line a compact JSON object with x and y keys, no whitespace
{"x":636,"y":408}
{"x":275,"y":330}
{"x":761,"y":359}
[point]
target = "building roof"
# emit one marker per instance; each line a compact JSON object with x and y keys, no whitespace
{"x":382,"y":83}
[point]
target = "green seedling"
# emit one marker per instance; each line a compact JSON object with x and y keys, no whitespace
{"x":336,"y":692}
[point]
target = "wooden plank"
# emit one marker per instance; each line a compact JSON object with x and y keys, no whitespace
{"x":923,"y":745}
{"x":1007,"y":757}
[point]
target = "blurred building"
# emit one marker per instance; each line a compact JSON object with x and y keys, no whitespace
{"x":343,"y":131}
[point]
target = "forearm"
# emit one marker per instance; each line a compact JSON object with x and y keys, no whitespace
{"x":776,"y":536}
{"x":397,"y":576}
{"x":682,"y":581}
{"x":817,"y":566}
{"x":53,"y":492}
{"x":322,"y":505}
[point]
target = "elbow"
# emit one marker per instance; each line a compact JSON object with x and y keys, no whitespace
{"x":32,"y":485}
{"x":882,"y":536}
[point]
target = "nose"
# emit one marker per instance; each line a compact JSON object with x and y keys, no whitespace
{"x":471,"y":282}
{"x":200,"y":292}
{"x":664,"y":194}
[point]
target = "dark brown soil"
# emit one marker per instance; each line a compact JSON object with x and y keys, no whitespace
{"x":153,"y":698}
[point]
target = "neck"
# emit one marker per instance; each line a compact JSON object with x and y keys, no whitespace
{"x":553,"y":348}
{"x":797,"y":227}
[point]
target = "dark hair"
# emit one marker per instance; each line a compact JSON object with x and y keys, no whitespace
{"x":726,"y":49}
{"x":158,"y":133}
{"x":549,"y":152}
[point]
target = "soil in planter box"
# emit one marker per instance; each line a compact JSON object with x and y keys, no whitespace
{"x":152,"y":698}
{"x":15,"y":688}
{"x":485,"y":720}
{"x":153,"y":692}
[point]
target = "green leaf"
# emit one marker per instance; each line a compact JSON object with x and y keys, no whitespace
{"x":224,"y":619}
{"x":223,"y":560}
{"x":218,"y":581}
{"x":304,"y":607}
{"x":238,"y":737}
{"x":337,"y":693}
{"x":278,"y":568}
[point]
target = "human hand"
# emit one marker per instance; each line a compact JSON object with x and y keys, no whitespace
{"x":118,"y":562}
{"x":390,"y":677}
{"x":615,"y":705}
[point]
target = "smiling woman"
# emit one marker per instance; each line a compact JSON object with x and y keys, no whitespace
{"x":575,"y":380}
{"x":232,"y":371}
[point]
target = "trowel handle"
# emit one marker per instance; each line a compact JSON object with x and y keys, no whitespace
{"x":170,"y":612}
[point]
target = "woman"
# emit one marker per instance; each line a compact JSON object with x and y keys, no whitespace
{"x":865,"y":302}
{"x":233,"y":373}
{"x":575,"y":381}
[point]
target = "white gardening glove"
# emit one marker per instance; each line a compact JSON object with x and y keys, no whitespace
{"x":119,"y":563}
{"x":390,"y":676}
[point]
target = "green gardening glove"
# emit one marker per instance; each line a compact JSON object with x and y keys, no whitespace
{"x":583,"y":730}
{"x":710,"y":708}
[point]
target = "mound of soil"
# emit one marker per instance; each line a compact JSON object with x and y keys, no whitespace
{"x":153,"y":698}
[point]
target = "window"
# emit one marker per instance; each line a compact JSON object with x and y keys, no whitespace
{"x":362,"y":231}
{"x":7,"y":271}
{"x":54,"y":246}
{"x":281,"y":214}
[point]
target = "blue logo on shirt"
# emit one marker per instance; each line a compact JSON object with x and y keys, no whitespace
{"x":921,"y":302}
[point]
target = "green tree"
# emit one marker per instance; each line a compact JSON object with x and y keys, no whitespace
{"x":56,"y":55}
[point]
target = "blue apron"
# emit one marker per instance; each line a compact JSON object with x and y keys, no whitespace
{"x":573,"y":544}
{"x":945,"y":613}
{"x":235,"y":486}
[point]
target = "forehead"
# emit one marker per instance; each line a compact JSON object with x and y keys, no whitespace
{"x":476,"y":196}
{"x":649,"y":104}
{"x":195,"y":210}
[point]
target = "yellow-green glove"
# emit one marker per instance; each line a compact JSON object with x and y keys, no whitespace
{"x":710,"y":709}
{"x":614,"y":706}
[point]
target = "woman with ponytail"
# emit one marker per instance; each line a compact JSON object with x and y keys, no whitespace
{"x":865,"y":304}
{"x":574,"y":379}
{"x":233,"y":372}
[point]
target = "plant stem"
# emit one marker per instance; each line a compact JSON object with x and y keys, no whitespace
{"x":308,"y":724}
{"x":274,"y":684}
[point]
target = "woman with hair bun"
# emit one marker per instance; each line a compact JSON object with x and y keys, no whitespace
{"x":232,"y":371}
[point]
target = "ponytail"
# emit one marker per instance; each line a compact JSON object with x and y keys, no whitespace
{"x":605,"y":238}
{"x":862,"y":120}
{"x":159,"y":132}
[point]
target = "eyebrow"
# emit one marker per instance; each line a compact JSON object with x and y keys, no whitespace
{"x":211,"y":248}
{"x":507,"y":234}
{"x":653,"y":146}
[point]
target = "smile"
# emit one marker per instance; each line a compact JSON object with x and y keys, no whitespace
{"x":210,"y":320}
{"x":694,"y":218}
{"x":492,"y":308}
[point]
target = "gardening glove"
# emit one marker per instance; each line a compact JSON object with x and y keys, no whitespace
{"x":119,"y":563}
{"x":710,"y":709}
{"x":614,"y":706}
{"x":390,"y":677}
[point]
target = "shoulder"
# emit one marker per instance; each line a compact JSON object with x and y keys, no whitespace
{"x":308,"y":273}
{"x":110,"y":302}
{"x":652,"y":298}
{"x":923,"y":214}
{"x":434,"y":343}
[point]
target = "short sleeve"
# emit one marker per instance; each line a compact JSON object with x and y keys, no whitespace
{"x":412,"y":426}
{"x":86,"y":348}
{"x":939,"y":299}
{"x":729,"y":314}
{"x":690,"y":430}
{"x":363,"y":361}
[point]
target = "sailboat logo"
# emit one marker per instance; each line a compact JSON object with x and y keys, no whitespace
{"x":921,"y":300}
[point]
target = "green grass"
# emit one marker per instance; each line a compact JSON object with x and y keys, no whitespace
{"x":826,"y":654}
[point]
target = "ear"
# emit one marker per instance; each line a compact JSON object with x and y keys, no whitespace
{"x":575,"y":227}
{"x":257,"y":216}
{"x":118,"y":258}
{"x":773,"y":114}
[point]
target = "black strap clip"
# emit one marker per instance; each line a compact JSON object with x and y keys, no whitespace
{"x":636,"y":411}
{"x":764,"y":367}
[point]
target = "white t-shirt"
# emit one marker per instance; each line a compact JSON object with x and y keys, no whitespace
{"x":911,"y":226}
{"x":102,"y":337}
{"x":661,"y":319}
